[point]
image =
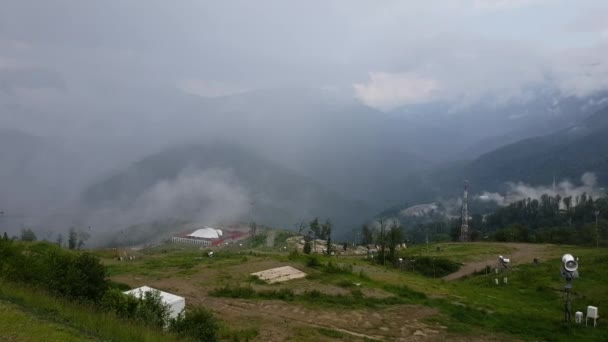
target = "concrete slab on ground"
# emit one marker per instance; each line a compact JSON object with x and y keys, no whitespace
{"x":279,"y":274}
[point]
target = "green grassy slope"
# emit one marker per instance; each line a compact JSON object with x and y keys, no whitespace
{"x":19,"y":325}
{"x":528,"y":308}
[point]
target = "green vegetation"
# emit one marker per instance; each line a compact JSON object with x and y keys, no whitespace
{"x":85,"y":318}
{"x":331,"y":333}
{"x":199,"y":324}
{"x":81,"y":278}
{"x":27,"y":235}
{"x":353,"y":300}
{"x":78,"y":276}
{"x":19,"y":325}
{"x":528,"y":308}
{"x":551,"y":219}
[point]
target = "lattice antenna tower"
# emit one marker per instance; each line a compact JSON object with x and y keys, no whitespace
{"x":464,"y":228}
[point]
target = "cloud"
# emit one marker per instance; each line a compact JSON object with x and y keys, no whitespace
{"x":390,"y":90}
{"x":209,"y":88}
{"x":590,"y":21}
{"x":210,"y":196}
{"x":12,"y":78}
{"x":583,"y":71}
{"x":521,"y":191}
{"x":502,"y":5}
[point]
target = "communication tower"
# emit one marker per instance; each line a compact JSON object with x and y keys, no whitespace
{"x":464,"y":228}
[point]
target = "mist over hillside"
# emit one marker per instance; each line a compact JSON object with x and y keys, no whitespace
{"x":212,"y":184}
{"x":373,"y":106}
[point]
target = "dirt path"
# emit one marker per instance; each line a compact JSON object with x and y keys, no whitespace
{"x":522,"y":253}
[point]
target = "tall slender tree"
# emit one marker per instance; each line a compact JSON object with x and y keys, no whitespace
{"x":326,"y":232}
{"x":72,"y":239}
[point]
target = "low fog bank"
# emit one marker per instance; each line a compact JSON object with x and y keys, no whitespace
{"x":518,"y":191}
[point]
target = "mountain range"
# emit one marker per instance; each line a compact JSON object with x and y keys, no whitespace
{"x":307,"y":153}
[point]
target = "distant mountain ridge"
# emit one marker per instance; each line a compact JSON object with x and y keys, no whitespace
{"x":259,"y":190}
{"x":564,"y":155}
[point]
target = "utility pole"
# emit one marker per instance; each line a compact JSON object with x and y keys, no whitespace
{"x":382,"y":240}
{"x":597,"y":231}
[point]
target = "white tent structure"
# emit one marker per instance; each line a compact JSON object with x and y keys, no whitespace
{"x":206,"y":233}
{"x":176,"y":303}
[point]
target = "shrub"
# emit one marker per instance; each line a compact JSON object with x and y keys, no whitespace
{"x":118,"y":285}
{"x":405,"y":292}
{"x":75,"y":276}
{"x":119,"y":303}
{"x":148,"y":308}
{"x":356,"y":293}
{"x":151,"y":310}
{"x":313,"y":294}
{"x":435,"y":267}
{"x":313,"y":261}
{"x":364,"y":275}
{"x":282,"y":294}
{"x":307,"y":247}
{"x":198,"y":323}
{"x":337,"y":268}
{"x":294,"y":255}
{"x":233,"y":292}
{"x":345,"y":283}
{"x":256,"y":280}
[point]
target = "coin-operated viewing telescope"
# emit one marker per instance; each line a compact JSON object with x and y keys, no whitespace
{"x":504,"y":262}
{"x":569,"y":269}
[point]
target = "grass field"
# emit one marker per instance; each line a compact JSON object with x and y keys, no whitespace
{"x":343,"y":298}
{"x":359,"y":300}
{"x":63,"y":319}
{"x":19,"y":325}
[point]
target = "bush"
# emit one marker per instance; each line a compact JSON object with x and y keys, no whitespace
{"x":151,"y":309}
{"x":404,"y":292}
{"x":256,"y":280}
{"x":294,"y":255}
{"x":282,"y":294}
{"x":307,"y":247}
{"x":345,"y":283}
{"x":198,"y":323}
{"x":313,"y":294}
{"x":313,"y":262}
{"x":364,"y":275}
{"x":435,"y":267}
{"x":233,"y":292}
{"x":119,"y":303}
{"x":148,"y":308}
{"x":75,"y":276}
{"x":337,"y":268}
{"x":118,"y":285}
{"x":27,"y":235}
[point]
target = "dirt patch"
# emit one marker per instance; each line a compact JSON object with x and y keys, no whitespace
{"x":522,"y":253}
{"x":284,"y":321}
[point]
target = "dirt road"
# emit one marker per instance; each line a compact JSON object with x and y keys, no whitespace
{"x":522,"y":253}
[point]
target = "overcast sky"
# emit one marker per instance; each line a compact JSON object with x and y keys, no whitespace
{"x":384,"y":53}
